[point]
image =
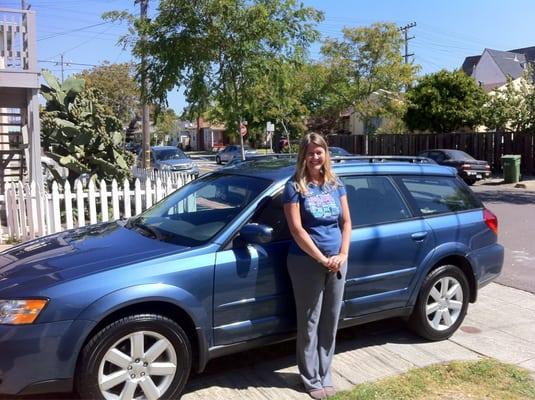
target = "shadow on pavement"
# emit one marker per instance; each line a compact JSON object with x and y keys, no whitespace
{"x":506,"y":196}
{"x":260,"y":367}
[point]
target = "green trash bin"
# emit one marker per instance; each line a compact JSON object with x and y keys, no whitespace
{"x":511,"y":168}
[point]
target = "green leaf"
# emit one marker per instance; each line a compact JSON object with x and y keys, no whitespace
{"x":73,"y":86}
{"x":51,"y":80}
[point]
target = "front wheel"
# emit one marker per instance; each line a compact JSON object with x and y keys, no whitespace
{"x":218,"y":160}
{"x":442,"y":303}
{"x":143,"y":356}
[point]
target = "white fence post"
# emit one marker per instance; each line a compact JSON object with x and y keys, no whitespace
{"x":32,"y":212}
{"x":80,"y":203}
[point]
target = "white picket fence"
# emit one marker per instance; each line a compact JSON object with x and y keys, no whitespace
{"x":33,"y":213}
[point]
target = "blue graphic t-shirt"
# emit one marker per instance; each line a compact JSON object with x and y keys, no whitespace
{"x":320,"y":211}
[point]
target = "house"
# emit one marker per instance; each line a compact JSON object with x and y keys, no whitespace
{"x":492,"y":68}
{"x":209,"y":136}
{"x":351,"y":122}
{"x":20,"y":144}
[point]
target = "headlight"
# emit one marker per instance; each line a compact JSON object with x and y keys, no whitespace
{"x":165,"y":166}
{"x":20,"y":312}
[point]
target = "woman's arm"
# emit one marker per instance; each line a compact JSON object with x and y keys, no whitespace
{"x":346,"y":228}
{"x":300,"y":235}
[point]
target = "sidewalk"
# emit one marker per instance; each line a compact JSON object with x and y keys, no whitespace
{"x":499,"y":325}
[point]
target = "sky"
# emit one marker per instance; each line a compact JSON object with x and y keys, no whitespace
{"x":445,"y":33}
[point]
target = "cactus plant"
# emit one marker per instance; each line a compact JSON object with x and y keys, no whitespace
{"x":78,"y":133}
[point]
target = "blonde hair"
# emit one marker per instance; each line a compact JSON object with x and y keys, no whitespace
{"x":301,"y":176}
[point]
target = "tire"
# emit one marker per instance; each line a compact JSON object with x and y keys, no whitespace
{"x":470,"y":182}
{"x":164,"y":345}
{"x":218,"y":160}
{"x":439,"y":312}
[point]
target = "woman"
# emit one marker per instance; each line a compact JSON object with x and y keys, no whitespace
{"x":315,"y":205}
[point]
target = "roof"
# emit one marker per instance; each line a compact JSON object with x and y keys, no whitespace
{"x":504,"y":59}
{"x":469,"y":64}
{"x":284,"y":168}
{"x":511,"y":64}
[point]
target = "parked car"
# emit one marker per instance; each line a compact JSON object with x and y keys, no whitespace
{"x":468,"y":168}
{"x":338,"y":152}
{"x":169,"y":158}
{"x":259,"y":157}
{"x":233,"y":151}
{"x":126,"y":309}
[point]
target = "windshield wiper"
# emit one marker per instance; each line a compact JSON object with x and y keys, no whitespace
{"x":146,"y":229}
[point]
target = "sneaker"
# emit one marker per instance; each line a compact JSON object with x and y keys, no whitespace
{"x":317,"y":393}
{"x":329,"y":391}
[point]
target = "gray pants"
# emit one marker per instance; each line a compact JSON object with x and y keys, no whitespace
{"x":318,"y":300}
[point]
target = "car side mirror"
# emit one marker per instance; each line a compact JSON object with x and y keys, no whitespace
{"x":256,"y":233}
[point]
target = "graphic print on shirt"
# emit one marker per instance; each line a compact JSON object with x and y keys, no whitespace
{"x":322,"y":206}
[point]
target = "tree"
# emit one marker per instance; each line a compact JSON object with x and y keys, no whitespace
{"x":166,"y":124}
{"x":366,"y":61}
{"x":119,"y":89}
{"x":77,"y":132}
{"x":444,"y":102}
{"x":220,"y":50}
{"x":512,"y":107}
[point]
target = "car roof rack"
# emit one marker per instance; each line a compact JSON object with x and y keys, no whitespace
{"x":380,"y":159}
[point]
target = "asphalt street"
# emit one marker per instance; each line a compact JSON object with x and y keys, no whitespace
{"x":515,"y":209}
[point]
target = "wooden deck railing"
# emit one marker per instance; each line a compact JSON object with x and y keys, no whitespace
{"x":17,"y":40}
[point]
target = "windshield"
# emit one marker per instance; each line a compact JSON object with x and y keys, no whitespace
{"x":194,"y":214}
{"x":169,"y":154}
{"x":337,"y":151}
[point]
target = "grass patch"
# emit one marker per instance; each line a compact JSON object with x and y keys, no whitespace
{"x":485,"y":379}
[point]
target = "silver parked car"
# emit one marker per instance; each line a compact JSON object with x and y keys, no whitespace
{"x":169,"y":158}
{"x":233,"y":151}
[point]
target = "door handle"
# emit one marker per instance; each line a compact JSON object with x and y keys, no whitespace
{"x":419,"y":236}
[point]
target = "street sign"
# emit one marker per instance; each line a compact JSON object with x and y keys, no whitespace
{"x":270,"y":127}
{"x":243,"y":128}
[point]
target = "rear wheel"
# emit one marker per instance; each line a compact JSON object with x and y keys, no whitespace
{"x":138,"y":357}
{"x":218,"y":159}
{"x":442,"y":303}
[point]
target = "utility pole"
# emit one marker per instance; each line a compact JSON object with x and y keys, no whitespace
{"x":62,"y":70}
{"x":146,"y":113}
{"x":405,"y":30}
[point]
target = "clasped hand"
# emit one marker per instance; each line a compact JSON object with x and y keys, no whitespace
{"x":334,"y":263}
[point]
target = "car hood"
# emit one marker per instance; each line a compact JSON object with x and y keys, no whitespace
{"x":78,"y":252}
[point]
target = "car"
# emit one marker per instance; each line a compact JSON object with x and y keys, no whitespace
{"x":258,"y":157}
{"x":170,"y":158}
{"x":338,"y":152}
{"x":233,"y":151}
{"x":468,"y":168}
{"x":126,"y":309}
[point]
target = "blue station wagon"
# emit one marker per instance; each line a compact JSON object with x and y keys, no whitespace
{"x":127,"y":309}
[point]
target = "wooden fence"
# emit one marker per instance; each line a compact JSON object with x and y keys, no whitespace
{"x":33,"y":212}
{"x":483,"y":146}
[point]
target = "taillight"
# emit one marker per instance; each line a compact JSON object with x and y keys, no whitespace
{"x":487,"y":166}
{"x":466,"y":166}
{"x":491,"y":220}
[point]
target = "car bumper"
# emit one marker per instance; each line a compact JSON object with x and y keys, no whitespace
{"x":474,"y":175}
{"x":487,"y":263}
{"x":40,"y":358}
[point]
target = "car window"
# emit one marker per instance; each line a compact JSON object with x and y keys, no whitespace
{"x":169,"y":154}
{"x":438,"y":156}
{"x":374,"y":200}
{"x":272,"y":214}
{"x":440,"y":194}
{"x":195,"y":213}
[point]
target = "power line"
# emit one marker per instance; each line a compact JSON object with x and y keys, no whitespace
{"x":73,"y":30}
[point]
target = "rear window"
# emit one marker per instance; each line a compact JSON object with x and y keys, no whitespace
{"x":439,"y":194}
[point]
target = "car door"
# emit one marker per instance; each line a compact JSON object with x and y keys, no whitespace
{"x":252,"y":289}
{"x":387,"y":245}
